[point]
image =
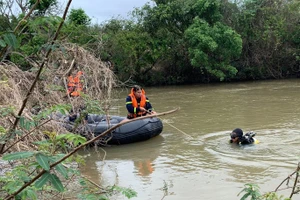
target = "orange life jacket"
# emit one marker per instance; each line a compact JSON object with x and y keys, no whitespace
{"x":74,"y":84}
{"x":135,"y":104}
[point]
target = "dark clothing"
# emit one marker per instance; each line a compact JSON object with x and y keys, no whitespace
{"x":72,"y":118}
{"x":130,"y":107}
{"x":242,"y":139}
{"x":246,"y":140}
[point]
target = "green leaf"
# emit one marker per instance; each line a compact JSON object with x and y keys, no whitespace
{"x":60,"y":136}
{"x":80,"y":140}
{"x":245,"y":196}
{"x":41,"y":142}
{"x":43,"y":160}
{"x":2,"y":43}
{"x":27,"y":125}
{"x":11,"y":40}
{"x":22,"y":122}
{"x":62,"y":111}
{"x":17,"y":132}
{"x":18,"y":155}
{"x":129,"y":193}
{"x":61,"y":169}
{"x":43,"y":180}
{"x":2,"y":130}
{"x":56,"y":183}
{"x":31,"y":194}
{"x":6,"y":111}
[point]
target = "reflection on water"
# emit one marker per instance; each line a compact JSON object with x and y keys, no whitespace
{"x":115,"y":160}
{"x":193,"y":155}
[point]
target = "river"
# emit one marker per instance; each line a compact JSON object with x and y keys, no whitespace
{"x":192,"y":158}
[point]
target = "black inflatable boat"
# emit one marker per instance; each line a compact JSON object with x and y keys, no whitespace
{"x":135,"y":131}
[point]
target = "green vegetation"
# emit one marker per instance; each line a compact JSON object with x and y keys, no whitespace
{"x":172,"y":42}
{"x":176,"y":41}
{"x":252,"y":192}
{"x":27,"y":180}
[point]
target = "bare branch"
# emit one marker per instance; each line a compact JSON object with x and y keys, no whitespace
{"x":12,"y":129}
{"x":83,"y":145}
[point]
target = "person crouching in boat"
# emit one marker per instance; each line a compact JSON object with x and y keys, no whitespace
{"x":137,"y":103}
{"x":238,"y":137}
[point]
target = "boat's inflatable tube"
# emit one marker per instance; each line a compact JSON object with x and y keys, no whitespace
{"x":135,"y":131}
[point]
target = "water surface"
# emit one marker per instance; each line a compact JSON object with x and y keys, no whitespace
{"x":192,"y":156}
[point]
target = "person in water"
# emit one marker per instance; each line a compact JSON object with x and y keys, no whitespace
{"x":137,"y":103}
{"x":238,"y":137}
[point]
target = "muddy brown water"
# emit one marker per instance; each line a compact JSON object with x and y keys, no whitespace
{"x":192,"y":157}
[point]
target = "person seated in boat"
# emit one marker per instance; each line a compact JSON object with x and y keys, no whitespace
{"x":80,"y":115}
{"x":138,"y":104}
{"x":238,"y":137}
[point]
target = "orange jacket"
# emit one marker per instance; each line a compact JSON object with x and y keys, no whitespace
{"x":74,"y":84}
{"x":136,"y":105}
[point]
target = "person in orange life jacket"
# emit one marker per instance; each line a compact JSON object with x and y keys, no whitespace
{"x":137,"y":103}
{"x":75,"y":85}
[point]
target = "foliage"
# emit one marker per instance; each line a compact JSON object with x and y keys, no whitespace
{"x":9,"y":39}
{"x":165,"y":188}
{"x":127,"y":192}
{"x":251,"y":191}
{"x":41,"y":167}
{"x":158,"y":46}
{"x":273,"y":196}
{"x":91,"y":193}
{"x":199,"y":40}
{"x":168,"y":43}
{"x":43,"y":6}
{"x":213,"y":48}
{"x":4,"y":23}
{"x":30,"y":163}
{"x":32,"y":42}
{"x":79,"y":17}
{"x":129,"y":50}
{"x":166,"y":39}
{"x":268,"y":29}
{"x":43,"y":159}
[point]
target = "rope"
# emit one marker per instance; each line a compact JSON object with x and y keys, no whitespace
{"x":179,"y":130}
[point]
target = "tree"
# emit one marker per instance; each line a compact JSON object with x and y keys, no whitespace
{"x":78,"y":17}
{"x":270,"y":32}
{"x":43,"y":6}
{"x":212,"y":48}
{"x":177,"y":25}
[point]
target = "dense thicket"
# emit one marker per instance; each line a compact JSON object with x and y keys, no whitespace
{"x":173,"y":41}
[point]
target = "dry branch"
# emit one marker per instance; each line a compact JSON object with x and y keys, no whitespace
{"x":84,"y":145}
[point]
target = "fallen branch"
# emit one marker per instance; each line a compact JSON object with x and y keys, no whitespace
{"x":24,"y":136}
{"x":83,"y":145}
{"x":17,"y":119}
{"x":295,"y":189}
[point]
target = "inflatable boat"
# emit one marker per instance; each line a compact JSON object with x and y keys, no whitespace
{"x":135,"y":131}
